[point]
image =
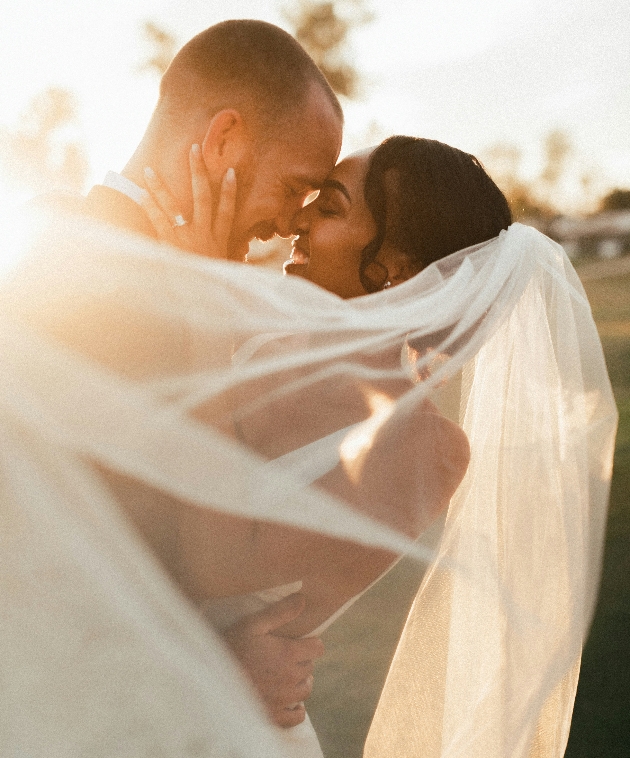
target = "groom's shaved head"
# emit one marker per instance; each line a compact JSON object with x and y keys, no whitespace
{"x":249,"y":65}
{"x":252,"y":98}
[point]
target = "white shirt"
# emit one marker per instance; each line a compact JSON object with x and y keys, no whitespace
{"x":124,"y":186}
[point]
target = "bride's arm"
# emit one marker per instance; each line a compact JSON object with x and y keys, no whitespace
{"x":407,"y":498}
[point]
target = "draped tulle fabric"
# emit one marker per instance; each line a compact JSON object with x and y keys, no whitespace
{"x":236,"y":389}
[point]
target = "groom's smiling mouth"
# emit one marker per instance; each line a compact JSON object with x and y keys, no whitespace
{"x":263,"y":231}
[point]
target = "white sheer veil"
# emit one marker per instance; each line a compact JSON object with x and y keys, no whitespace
{"x":126,"y":356}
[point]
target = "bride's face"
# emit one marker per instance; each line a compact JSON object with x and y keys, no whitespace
{"x":334,"y":229}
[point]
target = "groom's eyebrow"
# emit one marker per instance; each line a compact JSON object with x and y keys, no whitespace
{"x":334,"y":184}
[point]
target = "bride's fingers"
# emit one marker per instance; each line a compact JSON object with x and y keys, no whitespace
{"x":225,"y":211}
{"x":160,"y":220}
{"x":162,"y":195}
{"x":208,"y":231}
{"x":201,"y":191}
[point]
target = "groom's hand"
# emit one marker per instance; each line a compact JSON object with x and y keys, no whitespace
{"x":281,"y":668}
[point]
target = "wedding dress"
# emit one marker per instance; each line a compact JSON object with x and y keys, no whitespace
{"x":118,"y":356}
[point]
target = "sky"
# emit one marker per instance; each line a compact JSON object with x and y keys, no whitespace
{"x":471,"y":73}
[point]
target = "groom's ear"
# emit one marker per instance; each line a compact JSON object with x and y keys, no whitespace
{"x":225,"y":144}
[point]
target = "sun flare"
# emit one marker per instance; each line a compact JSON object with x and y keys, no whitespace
{"x":359,"y":440}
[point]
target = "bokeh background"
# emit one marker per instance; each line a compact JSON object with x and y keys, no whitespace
{"x":539,"y":90}
{"x":520,"y":83}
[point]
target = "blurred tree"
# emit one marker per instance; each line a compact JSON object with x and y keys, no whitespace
{"x":323,"y":29}
{"x":503,"y":162}
{"x":557,"y":150}
{"x":616,"y":200}
{"x":164,"y":46}
{"x":561,"y":185}
{"x":42,"y":153}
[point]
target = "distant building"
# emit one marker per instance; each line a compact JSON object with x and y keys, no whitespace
{"x":605,"y":235}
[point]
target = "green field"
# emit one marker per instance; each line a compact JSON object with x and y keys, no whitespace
{"x":601,"y":721}
{"x":360,"y":645}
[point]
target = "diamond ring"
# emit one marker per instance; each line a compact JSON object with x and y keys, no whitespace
{"x":179,"y":220}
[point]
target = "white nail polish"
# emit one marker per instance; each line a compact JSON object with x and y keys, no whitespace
{"x":149,"y":172}
{"x":230,"y":176}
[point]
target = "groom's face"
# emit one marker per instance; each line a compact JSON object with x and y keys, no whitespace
{"x":278,"y":173}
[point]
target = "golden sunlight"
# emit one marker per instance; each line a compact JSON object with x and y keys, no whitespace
{"x":359,"y":440}
{"x":16,"y":230}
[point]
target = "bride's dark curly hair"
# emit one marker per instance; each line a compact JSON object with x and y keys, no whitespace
{"x":428,"y":200}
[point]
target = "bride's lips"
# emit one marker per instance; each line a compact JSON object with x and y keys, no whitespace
{"x":298,"y":263}
{"x":299,"y":252}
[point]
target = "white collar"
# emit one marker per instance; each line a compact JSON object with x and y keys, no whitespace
{"x":125,"y":186}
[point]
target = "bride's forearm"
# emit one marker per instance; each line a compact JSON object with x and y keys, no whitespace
{"x":327,"y":594}
{"x":332,"y":571}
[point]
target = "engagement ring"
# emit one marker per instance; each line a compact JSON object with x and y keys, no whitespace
{"x":179,"y":220}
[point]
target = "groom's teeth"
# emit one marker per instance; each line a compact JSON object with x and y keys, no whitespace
{"x":297,"y":256}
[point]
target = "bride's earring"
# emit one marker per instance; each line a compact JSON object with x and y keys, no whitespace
{"x":387,"y":284}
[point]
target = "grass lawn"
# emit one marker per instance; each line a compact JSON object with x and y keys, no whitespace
{"x":361,"y":644}
{"x":601,"y":719}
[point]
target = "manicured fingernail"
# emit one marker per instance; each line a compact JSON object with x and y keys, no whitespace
{"x":149,"y":172}
{"x":195,"y":150}
{"x":230,"y":176}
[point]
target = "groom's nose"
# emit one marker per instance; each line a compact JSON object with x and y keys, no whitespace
{"x":285,"y":225}
{"x":299,"y":222}
{"x":290,"y":217}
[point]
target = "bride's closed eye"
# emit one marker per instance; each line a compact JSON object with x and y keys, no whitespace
{"x":325,"y":210}
{"x":327,"y":205}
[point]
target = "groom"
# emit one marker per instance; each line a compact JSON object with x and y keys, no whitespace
{"x":255,"y":102}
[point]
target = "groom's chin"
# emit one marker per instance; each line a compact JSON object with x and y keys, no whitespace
{"x":238,"y":251}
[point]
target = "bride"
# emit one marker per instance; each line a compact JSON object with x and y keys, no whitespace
{"x":116,"y":350}
{"x":381,"y":217}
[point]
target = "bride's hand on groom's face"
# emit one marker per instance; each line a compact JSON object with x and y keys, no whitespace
{"x":208,"y":231}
